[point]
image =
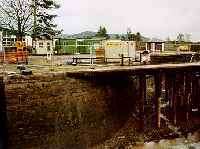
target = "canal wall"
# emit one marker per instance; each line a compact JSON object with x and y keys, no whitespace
{"x":57,"y":111}
{"x":178,"y":58}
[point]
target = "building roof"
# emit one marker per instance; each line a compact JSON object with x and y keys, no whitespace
{"x":155,"y":40}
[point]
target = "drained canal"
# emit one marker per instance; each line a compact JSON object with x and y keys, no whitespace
{"x":59,"y":112}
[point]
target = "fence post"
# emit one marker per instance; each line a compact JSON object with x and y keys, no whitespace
{"x":3,"y":116}
{"x":122,"y":59}
{"x":129,"y":60}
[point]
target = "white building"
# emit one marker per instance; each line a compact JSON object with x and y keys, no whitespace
{"x":155,"y":45}
{"x":8,"y":39}
{"x":44,"y":46}
{"x":114,"y":49}
{"x":1,"y":41}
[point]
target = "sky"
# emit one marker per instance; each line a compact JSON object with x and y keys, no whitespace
{"x":152,"y":18}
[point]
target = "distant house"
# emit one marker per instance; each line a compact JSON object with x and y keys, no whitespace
{"x":8,"y":39}
{"x":155,"y":45}
{"x":181,"y":46}
{"x":44,"y":46}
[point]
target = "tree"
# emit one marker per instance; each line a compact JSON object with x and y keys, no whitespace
{"x":15,"y":15}
{"x":102,"y":32}
{"x":123,"y":38}
{"x":180,"y":37}
{"x":138,"y":37}
{"x":129,"y":34}
{"x":117,"y":36}
{"x":133,"y":37}
{"x":45,"y":20}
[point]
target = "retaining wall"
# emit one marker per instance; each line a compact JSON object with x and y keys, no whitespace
{"x":56,"y":111}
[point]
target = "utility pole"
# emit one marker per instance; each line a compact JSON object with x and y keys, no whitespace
{"x":34,"y":24}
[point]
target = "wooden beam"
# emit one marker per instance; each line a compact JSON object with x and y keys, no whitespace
{"x":142,"y":89}
{"x":194,"y":99}
{"x":174,"y":99}
{"x":158,"y":89}
{"x":188,"y":92}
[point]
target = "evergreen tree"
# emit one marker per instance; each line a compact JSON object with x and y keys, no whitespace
{"x":45,"y":25}
{"x":123,"y":38}
{"x":129,"y":34}
{"x":117,"y":36}
{"x":16,"y":16}
{"x":102,"y":32}
{"x":138,"y":37}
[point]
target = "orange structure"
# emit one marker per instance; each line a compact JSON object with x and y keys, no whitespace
{"x":15,"y":54}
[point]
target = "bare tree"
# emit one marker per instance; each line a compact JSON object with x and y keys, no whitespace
{"x":15,"y":15}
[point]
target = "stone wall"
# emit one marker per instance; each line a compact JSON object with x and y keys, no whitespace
{"x":56,"y":111}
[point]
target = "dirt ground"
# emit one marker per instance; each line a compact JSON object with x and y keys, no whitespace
{"x":41,"y":64}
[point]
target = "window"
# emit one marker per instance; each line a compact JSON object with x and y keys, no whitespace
{"x":40,"y":44}
{"x":48,"y":46}
{"x":65,"y":43}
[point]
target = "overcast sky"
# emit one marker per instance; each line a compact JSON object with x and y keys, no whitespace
{"x":153,"y":18}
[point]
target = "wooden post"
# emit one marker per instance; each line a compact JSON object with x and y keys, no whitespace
{"x":167,"y":87}
{"x":188,"y":86}
{"x":3,"y":116}
{"x":142,"y":89}
{"x":158,"y":89}
{"x":122,"y":59}
{"x":174,"y":102}
{"x":194,"y":100}
{"x":179,"y":89}
{"x":106,"y":61}
{"x":129,"y":60}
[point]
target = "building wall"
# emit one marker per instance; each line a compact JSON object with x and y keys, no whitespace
{"x":113,"y":48}
{"x":1,"y":41}
{"x":28,"y":40}
{"x":68,"y":46}
{"x":44,"y":46}
{"x":9,"y":40}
